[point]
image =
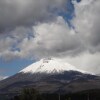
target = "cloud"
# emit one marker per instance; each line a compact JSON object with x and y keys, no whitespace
{"x":87,"y":23}
{"x":27,"y":12}
{"x":9,"y":43}
{"x":39,"y":32}
{"x":54,"y":38}
{"x":49,"y":39}
{"x":86,"y":61}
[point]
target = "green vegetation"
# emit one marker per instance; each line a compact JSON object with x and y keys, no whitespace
{"x":28,"y":94}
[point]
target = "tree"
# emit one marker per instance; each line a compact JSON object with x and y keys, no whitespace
{"x":29,"y":94}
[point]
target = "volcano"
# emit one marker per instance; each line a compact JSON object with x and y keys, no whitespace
{"x":50,"y":65}
{"x":50,"y":75}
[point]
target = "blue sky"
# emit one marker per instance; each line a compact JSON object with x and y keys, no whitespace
{"x":9,"y":68}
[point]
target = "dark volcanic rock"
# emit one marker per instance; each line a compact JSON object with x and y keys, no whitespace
{"x":68,"y":81}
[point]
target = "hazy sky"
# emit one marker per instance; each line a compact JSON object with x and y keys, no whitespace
{"x":34,"y":29}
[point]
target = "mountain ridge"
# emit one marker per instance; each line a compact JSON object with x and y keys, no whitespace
{"x":61,"y":76}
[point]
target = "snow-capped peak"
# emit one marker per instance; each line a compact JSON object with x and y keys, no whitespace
{"x":49,"y":65}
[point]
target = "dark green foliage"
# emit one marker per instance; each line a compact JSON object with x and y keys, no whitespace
{"x":32,"y":94}
{"x":28,"y":94}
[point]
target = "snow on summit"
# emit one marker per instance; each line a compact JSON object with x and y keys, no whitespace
{"x":49,"y":65}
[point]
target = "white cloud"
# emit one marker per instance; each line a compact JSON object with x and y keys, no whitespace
{"x":87,"y":23}
{"x":86,"y":61}
{"x":51,"y":39}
